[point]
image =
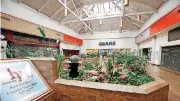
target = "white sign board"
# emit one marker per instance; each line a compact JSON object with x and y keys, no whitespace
{"x":20,"y":81}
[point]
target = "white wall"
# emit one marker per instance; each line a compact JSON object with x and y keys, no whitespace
{"x":109,"y":35}
{"x":146,"y":44}
{"x":24,"y":12}
{"x":123,"y":40}
{"x":69,"y":46}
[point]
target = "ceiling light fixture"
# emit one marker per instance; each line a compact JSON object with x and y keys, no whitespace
{"x":100,"y":21}
{"x":65,"y":12}
{"x":126,"y":2}
{"x":121,"y":23}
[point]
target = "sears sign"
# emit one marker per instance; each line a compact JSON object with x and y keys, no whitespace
{"x":112,"y":43}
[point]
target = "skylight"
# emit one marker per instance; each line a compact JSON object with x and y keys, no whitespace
{"x":104,"y":9}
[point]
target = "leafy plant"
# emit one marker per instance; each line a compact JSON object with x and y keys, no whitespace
{"x":84,"y":55}
{"x":60,"y":59}
{"x":10,"y":52}
{"x":109,"y":65}
{"x":96,"y":64}
{"x":88,"y":65}
{"x":92,"y":55}
{"x":41,"y":30}
{"x":112,"y":56}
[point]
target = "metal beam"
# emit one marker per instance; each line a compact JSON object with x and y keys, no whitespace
{"x":75,"y":15}
{"x":75,"y":8}
{"x":60,"y":10}
{"x":140,"y":13}
{"x":137,"y":12}
{"x":115,"y":4}
{"x":136,"y":19}
{"x":88,"y":19}
{"x":47,"y":2}
{"x":76,"y":26}
{"x":112,"y":16}
{"x":132,"y":22}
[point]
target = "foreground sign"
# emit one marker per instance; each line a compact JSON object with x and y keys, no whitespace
{"x":20,"y":81}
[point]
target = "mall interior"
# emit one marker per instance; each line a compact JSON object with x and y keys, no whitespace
{"x":90,"y":50}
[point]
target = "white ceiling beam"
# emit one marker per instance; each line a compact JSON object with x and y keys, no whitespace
{"x":136,"y":19}
{"x":127,"y":8}
{"x":137,"y":25}
{"x":60,"y":10}
{"x":75,"y":7}
{"x":105,"y":17}
{"x":47,"y":2}
{"x":75,"y":15}
{"x":140,"y":13}
{"x":132,"y":22}
{"x":85,"y":11}
{"x":115,"y":4}
{"x":76,"y":25}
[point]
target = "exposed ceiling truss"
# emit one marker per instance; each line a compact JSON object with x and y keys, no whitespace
{"x":84,"y":15}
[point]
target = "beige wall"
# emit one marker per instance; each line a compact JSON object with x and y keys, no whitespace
{"x":19,"y":25}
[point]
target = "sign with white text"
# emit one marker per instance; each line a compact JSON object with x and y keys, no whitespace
{"x":20,"y":81}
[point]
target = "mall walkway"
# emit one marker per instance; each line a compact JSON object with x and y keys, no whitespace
{"x":173,"y":78}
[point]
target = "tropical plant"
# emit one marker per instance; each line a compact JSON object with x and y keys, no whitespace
{"x":92,"y":55}
{"x":10,"y":52}
{"x":96,"y":64}
{"x":60,"y":59}
{"x":84,"y":55}
{"x":112,"y":56}
{"x":135,"y":61}
{"x":88,"y":65}
{"x":109,"y":64}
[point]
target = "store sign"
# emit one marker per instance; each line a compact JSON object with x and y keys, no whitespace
{"x":20,"y":81}
{"x":112,"y":43}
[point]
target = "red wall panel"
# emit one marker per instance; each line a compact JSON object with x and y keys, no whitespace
{"x":170,"y":19}
{"x":71,"y":39}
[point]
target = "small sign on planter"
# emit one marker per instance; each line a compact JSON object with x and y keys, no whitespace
{"x":20,"y":81}
{"x":111,"y":43}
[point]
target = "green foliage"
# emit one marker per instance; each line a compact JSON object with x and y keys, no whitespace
{"x":64,"y":74}
{"x":136,"y":78}
{"x":132,"y":73}
{"x":112,"y":56}
{"x":60,"y":59}
{"x":88,"y":65}
{"x":10,"y":52}
{"x":109,"y":64}
{"x":41,"y":30}
{"x":127,"y":59}
{"x":92,"y":55}
{"x":84,"y":55}
{"x":96,"y":64}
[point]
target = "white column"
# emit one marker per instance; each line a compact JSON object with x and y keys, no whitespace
{"x":153,"y":54}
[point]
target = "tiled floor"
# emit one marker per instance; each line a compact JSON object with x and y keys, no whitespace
{"x":172,"y":78}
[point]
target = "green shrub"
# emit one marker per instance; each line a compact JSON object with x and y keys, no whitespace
{"x":88,"y":65}
{"x":84,"y":55}
{"x":109,"y":64}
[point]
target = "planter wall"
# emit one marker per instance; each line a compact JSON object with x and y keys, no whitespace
{"x":47,"y":67}
{"x":70,"y":90}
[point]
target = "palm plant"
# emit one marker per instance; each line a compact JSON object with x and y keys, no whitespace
{"x":109,"y":65}
{"x":10,"y":52}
